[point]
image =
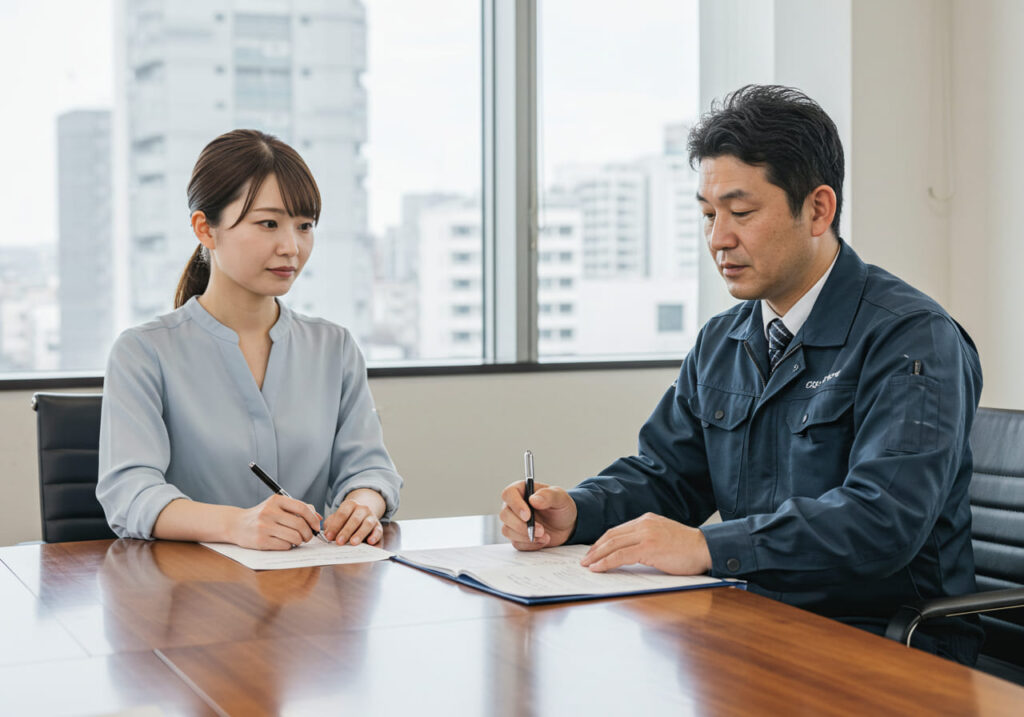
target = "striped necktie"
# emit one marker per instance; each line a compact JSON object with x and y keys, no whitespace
{"x":778,"y":339}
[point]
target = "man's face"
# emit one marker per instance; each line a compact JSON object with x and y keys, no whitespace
{"x":761,"y":250}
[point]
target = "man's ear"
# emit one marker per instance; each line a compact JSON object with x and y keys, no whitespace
{"x":822,"y":203}
{"x":203,"y":230}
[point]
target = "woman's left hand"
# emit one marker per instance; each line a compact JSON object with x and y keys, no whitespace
{"x":357,"y":519}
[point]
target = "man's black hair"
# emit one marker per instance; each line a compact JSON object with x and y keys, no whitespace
{"x":778,"y":128}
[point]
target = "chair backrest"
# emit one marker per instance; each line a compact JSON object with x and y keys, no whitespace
{"x":997,"y":509}
{"x":69,"y":438}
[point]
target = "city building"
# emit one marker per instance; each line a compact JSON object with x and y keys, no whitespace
{"x":29,"y":313}
{"x":674,"y":218}
{"x":654,"y":316}
{"x":396,"y":295}
{"x":617,"y":254}
{"x":613,"y":199}
{"x":451,"y":271}
{"x":85,"y":293}
{"x":450,"y":280}
{"x":190,"y":70}
{"x":560,"y":262}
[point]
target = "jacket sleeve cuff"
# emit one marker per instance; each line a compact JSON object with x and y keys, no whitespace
{"x":731,"y":548}
{"x":589,"y":526}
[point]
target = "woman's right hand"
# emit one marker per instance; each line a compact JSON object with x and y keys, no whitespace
{"x":278,"y":523}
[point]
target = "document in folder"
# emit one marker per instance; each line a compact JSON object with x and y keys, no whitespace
{"x":546,"y":576}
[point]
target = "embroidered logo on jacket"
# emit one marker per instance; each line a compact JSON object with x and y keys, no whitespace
{"x":815,"y":384}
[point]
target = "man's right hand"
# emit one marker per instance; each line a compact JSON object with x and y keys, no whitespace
{"x":554,"y":516}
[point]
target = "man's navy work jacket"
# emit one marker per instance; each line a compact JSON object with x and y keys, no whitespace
{"x":842,"y":477}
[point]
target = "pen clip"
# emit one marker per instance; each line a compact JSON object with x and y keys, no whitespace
{"x":528,"y":464}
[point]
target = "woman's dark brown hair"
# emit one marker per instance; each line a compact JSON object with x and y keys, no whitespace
{"x":224,"y":167}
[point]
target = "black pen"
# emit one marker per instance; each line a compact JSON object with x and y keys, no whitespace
{"x":272,"y":484}
{"x":528,"y":459}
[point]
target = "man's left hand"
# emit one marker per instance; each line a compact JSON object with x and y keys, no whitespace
{"x":651,"y":540}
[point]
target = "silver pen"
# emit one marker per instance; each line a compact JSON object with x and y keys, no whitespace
{"x":528,"y":460}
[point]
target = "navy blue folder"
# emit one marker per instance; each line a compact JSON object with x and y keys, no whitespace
{"x":547,"y":600}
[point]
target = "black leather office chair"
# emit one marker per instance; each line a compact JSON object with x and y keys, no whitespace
{"x":997,"y":510}
{"x":69,"y":437}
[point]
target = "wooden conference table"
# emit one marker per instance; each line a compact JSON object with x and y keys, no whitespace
{"x":172,"y":628}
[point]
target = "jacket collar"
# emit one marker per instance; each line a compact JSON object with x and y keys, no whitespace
{"x":832,"y":316}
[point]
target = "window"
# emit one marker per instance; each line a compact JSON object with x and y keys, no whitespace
{"x":622,"y":182}
{"x":339,"y":85}
{"x":384,"y":101}
{"x":670,"y":317}
{"x":420,"y":82}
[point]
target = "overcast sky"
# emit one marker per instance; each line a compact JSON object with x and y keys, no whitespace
{"x":612,"y":72}
{"x":55,"y":55}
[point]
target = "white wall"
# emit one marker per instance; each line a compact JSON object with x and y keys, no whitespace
{"x":809,"y":48}
{"x":986,"y":249}
{"x":734,"y":51}
{"x":19,"y":469}
{"x":896,"y":150}
{"x":926,"y":94}
{"x":457,"y":440}
{"x":937,"y":152}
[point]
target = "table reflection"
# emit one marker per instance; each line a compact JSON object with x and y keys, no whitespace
{"x":157,"y":594}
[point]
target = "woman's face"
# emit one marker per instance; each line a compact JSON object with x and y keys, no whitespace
{"x":265,"y":251}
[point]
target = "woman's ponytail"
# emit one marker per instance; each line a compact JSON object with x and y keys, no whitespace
{"x":195,"y":277}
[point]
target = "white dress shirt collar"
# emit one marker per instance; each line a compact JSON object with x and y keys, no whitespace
{"x":798,"y":313}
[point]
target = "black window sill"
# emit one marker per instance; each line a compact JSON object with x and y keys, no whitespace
{"x":49,"y":381}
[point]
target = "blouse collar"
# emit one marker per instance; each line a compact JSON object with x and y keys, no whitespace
{"x":204,"y":318}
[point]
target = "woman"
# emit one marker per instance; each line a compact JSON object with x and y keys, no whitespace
{"x":232,"y":376}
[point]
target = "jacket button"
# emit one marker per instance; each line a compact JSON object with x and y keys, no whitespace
{"x":704,"y":424}
{"x":719,"y":414}
{"x":732,"y":564}
{"x":804,"y":419}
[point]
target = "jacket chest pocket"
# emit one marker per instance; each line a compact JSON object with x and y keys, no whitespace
{"x":724,"y":416}
{"x":821,"y":436}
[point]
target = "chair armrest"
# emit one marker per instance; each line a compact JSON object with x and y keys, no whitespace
{"x":905,"y":621}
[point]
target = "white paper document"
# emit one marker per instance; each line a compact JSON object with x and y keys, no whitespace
{"x":552,"y":572}
{"x":315,"y":552}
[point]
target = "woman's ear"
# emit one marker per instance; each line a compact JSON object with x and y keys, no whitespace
{"x":203,"y":230}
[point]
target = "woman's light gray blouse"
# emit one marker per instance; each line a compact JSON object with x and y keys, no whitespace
{"x":183,"y":416}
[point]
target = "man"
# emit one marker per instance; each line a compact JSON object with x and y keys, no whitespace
{"x":826,"y":417}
